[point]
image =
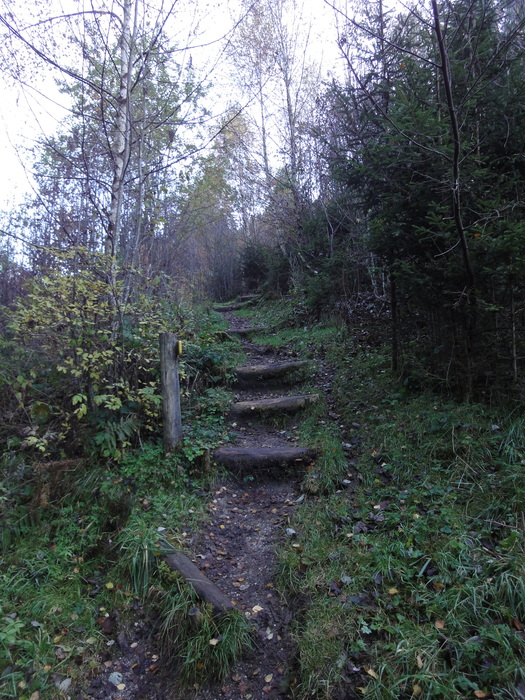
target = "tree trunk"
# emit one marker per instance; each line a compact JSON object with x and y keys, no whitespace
{"x":120,"y":151}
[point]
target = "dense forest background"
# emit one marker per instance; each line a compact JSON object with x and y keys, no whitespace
{"x":389,"y":193}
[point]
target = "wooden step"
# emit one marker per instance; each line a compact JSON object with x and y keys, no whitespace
{"x":263,"y":457}
{"x":287,"y":404}
{"x":201,"y":584}
{"x":234,"y":305}
{"x":277,"y":369}
{"x":229,"y":307}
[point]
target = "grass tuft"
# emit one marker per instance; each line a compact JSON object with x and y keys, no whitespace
{"x":203,"y":646}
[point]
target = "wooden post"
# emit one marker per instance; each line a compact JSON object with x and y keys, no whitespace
{"x":169,"y":383}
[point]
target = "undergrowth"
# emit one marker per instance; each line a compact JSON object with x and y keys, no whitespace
{"x":411,"y":568}
{"x":201,"y":645}
{"x":81,"y":537}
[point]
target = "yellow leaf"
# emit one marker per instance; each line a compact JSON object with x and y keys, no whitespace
{"x":214,"y":642}
{"x":268,"y":678}
{"x":257,"y":608}
{"x":371,"y":672}
{"x":481,"y":694}
{"x":393,"y":591}
{"x":416,"y":691}
{"x":110,"y":585}
{"x":440,"y":624}
{"x":419,"y":661}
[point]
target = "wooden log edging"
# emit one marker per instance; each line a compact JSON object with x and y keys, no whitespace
{"x":201,"y":584}
{"x":287,"y":404}
{"x":263,"y":457}
{"x":277,"y":369}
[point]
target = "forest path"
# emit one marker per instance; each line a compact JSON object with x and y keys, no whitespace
{"x":250,"y":514}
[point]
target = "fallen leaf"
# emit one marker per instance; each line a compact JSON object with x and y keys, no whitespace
{"x":416,"y":691}
{"x":419,"y":661}
{"x":393,"y":591}
{"x":481,"y":694}
{"x":107,"y":625}
{"x":517,"y":624}
{"x":213,"y":642}
{"x":257,"y":608}
{"x":440,"y":624}
{"x":121,"y":686}
{"x":334,"y":588}
{"x":109,"y":585}
{"x":372,"y":673}
{"x":268,"y":678}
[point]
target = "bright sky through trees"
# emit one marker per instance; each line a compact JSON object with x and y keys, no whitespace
{"x":35,"y":107}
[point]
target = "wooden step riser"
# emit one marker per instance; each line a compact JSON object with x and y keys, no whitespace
{"x":262,"y":407}
{"x":263,"y":458}
{"x":262,"y":373}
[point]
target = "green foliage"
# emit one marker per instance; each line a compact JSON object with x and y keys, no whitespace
{"x":96,"y":368}
{"x":91,"y":549}
{"x":409,"y":574}
{"x":88,"y":373}
{"x":206,"y":425}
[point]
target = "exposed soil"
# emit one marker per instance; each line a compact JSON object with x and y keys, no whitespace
{"x":249,"y":516}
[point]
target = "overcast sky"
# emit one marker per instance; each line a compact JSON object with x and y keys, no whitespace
{"x":27,"y":112}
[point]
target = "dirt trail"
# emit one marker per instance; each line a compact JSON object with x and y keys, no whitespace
{"x":249,"y":518}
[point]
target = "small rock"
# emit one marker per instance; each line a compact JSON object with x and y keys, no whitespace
{"x":63,"y":686}
{"x":115,"y":678}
